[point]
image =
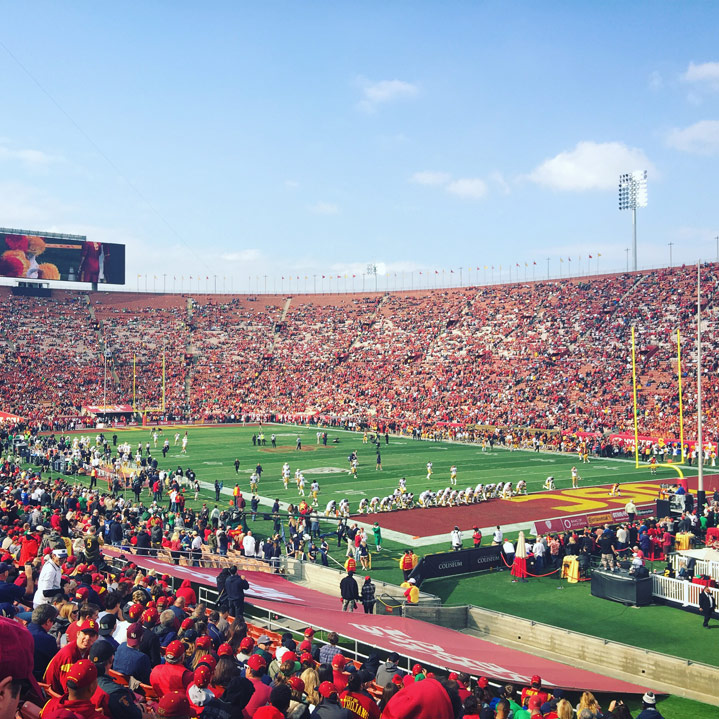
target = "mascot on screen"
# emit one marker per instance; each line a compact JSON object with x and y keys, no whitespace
{"x":20,"y":259}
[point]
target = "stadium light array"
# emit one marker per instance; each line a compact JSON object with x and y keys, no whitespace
{"x":633,"y":194}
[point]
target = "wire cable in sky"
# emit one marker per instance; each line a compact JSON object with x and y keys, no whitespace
{"x":104,"y":155}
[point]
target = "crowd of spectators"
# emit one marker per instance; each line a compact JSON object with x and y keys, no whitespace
{"x":546,"y":355}
{"x":83,"y":637}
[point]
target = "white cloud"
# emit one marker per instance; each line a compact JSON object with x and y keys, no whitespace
{"x":291,"y":184}
{"x":429,"y":177}
{"x":324,"y":208}
{"x":31,"y":158}
{"x":701,"y":138}
{"x":705,"y":75}
{"x":470,"y":188}
{"x":379,"y":93}
{"x":590,"y":166}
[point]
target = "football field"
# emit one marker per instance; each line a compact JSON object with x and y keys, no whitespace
{"x":212,"y":451}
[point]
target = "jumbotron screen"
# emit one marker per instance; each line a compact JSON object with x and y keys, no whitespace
{"x":70,"y":258}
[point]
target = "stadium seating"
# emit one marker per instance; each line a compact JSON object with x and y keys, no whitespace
{"x":552,"y":355}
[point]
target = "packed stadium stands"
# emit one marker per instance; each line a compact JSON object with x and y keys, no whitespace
{"x":552,"y":354}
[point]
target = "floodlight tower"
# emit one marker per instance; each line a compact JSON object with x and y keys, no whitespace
{"x":372,"y":270}
{"x":633,"y":194}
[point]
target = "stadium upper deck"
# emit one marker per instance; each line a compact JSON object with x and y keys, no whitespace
{"x":546,"y":354}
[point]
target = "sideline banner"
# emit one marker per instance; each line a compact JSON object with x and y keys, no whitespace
{"x":582,"y":521}
{"x":462,"y":562}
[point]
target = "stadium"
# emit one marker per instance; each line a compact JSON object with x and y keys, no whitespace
{"x":392,"y":472}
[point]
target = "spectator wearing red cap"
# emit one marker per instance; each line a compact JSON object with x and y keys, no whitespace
{"x":81,"y":680}
{"x":420,"y":700}
{"x":16,"y":667}
{"x":356,"y":699}
{"x":174,"y":705}
{"x":329,"y":706}
{"x":247,"y":646}
{"x":72,"y":652}
{"x":254,"y":671}
{"x":535,"y":689}
{"x":129,"y":660}
{"x":84,"y":613}
{"x":172,"y":675}
{"x":198,"y":692}
{"x":339,"y":677}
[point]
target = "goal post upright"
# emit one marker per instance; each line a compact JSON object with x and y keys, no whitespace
{"x":681,"y":405}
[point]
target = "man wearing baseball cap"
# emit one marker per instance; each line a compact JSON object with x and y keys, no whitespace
{"x":535,"y":689}
{"x":174,"y":705}
{"x":81,"y":685}
{"x":129,"y":660}
{"x":70,"y":654}
{"x":17,"y":682}
{"x":254,"y":671}
{"x":262,"y":648}
{"x":120,"y":701}
{"x":172,"y":676}
{"x":329,"y":706}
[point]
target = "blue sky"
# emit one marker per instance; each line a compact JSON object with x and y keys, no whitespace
{"x":240,"y":140}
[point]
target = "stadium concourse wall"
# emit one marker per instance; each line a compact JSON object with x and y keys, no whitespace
{"x":327,"y":580}
{"x":660,"y":672}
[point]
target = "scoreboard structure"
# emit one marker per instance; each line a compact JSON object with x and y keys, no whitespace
{"x":48,"y":256}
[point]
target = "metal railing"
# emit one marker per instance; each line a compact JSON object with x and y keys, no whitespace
{"x":701,"y":566}
{"x":680,"y":591}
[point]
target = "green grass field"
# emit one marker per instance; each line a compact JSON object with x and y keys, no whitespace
{"x":212,"y":452}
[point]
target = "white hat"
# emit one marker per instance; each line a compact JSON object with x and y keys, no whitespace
{"x":59,"y":553}
{"x":39,"y":528}
{"x":412,"y":580}
{"x":649,"y":698}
